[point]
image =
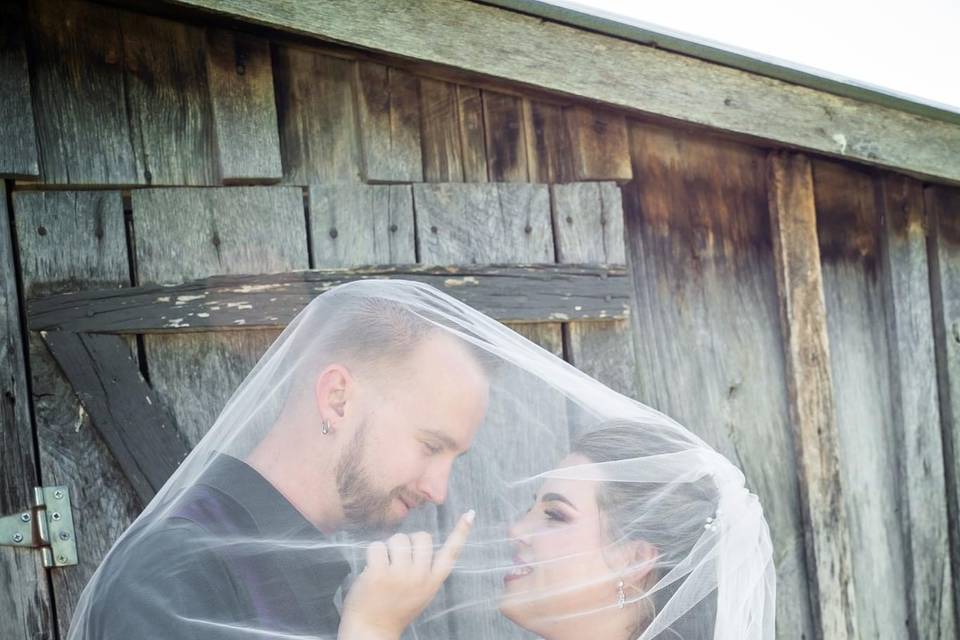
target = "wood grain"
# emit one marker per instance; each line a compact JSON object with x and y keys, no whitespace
{"x":943,"y":214}
{"x":510,"y":293}
{"x":916,"y":414}
{"x":588,"y":223}
{"x":240,"y":77}
{"x":505,"y":137}
{"x":361,"y":225}
{"x":549,"y":155}
{"x":68,"y":241}
{"x":509,"y":45}
{"x":598,"y":144}
{"x":848,"y":232}
{"x":317,"y":114}
{"x":440,"y":131}
{"x":168,"y":101}
{"x":803,"y":320}
{"x":18,"y":149}
{"x":481,"y":224}
{"x":707,"y":324}
{"x":76,"y":73}
{"x":26,"y":610}
{"x":388,"y":100}
{"x":193,"y":233}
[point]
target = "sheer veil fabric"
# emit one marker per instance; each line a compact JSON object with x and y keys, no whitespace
{"x":388,"y":405}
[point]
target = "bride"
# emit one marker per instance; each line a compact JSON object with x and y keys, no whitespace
{"x":633,"y":536}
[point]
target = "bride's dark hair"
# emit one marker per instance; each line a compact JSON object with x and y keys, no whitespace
{"x":671,"y":517}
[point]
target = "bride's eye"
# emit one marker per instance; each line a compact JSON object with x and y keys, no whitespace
{"x":554,"y":515}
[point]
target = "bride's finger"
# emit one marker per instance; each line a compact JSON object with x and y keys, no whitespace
{"x":447,"y":556}
{"x":401,"y":554}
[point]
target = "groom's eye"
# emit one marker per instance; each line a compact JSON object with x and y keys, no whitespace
{"x":432,"y":449}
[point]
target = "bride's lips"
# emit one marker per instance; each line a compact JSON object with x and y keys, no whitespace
{"x":519,"y":570}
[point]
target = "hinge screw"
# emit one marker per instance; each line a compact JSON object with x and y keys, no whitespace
{"x":56,"y":515}
{"x":58,"y":494}
{"x":61,"y":558}
{"x":24,"y":517}
{"x":64,"y":535}
{"x":18,"y":537}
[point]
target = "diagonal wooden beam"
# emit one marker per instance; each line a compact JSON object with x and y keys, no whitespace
{"x":512,"y":293}
{"x":810,"y":389}
{"x":125,"y":410}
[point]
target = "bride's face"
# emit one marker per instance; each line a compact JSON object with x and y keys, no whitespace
{"x":561,"y":554}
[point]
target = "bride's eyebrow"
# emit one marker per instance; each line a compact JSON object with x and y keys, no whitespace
{"x":556,"y":497}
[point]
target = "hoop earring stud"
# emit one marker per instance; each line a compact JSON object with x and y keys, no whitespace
{"x":325,"y":427}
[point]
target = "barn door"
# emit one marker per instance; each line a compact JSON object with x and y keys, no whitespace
{"x":108,"y":383}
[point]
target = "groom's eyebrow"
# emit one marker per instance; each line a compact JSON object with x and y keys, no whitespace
{"x":556,"y":497}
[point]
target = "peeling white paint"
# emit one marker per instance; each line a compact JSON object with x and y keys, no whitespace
{"x":203,"y":315}
{"x":559,"y":316}
{"x":149,"y":401}
{"x":81,"y":416}
{"x":187,"y":298}
{"x":163,"y":299}
{"x":240,"y":321}
{"x":253,"y":288}
{"x":459,"y":282}
{"x":841,"y":140}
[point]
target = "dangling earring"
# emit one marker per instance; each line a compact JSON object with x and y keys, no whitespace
{"x":324,"y":427}
{"x":621,"y":596}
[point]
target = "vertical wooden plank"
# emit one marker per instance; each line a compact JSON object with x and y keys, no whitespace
{"x":548,"y":145}
{"x":240,"y":77}
{"x":25,"y":607}
{"x":505,"y":138}
{"x":318,"y":122}
{"x":915,"y":408}
{"x":440,"y":131}
{"x":168,"y":101}
{"x":473,"y":138}
{"x":68,"y":241}
{"x":598,"y":143}
{"x":389,"y":114}
{"x":588,"y":222}
{"x":182,"y":234}
{"x":707,"y":323}
{"x":357,"y":225}
{"x":18,"y":141}
{"x":943,"y":211}
{"x":803,"y":320}
{"x":76,"y":57}
{"x":848,"y":232}
{"x":480,"y":224}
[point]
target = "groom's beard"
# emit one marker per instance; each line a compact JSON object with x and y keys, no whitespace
{"x":365,"y":509}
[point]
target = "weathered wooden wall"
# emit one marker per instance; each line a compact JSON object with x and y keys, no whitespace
{"x":802,"y":315}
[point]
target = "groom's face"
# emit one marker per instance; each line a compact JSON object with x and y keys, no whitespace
{"x":401,"y":454}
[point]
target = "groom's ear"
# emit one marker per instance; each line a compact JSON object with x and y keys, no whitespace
{"x":332,"y":390}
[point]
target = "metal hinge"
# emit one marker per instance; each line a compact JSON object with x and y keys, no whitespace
{"x":47,"y":526}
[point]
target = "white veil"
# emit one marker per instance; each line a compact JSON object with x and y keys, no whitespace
{"x":593,"y":511}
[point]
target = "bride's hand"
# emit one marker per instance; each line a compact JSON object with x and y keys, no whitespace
{"x":399,"y":581}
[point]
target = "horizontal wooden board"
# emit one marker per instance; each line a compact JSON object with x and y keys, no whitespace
{"x":516,"y":293}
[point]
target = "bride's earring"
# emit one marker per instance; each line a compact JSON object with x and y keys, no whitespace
{"x":325,"y":427}
{"x":621,"y":596}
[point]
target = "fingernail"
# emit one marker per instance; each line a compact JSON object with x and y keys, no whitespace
{"x":470,"y":515}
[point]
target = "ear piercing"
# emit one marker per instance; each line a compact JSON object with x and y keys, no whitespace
{"x":325,"y":427}
{"x":621,"y":596}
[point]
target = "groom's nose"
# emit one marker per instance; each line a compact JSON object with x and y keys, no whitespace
{"x":433,"y":483}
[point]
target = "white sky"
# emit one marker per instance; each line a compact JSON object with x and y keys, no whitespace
{"x":910,"y":47}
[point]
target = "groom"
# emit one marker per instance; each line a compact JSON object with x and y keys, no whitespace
{"x":245,"y":551}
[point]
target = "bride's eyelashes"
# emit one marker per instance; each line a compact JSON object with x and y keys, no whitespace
{"x":555,"y":515}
